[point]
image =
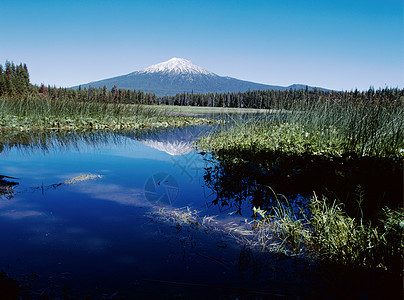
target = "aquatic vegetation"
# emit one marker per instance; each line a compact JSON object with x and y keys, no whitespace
{"x":336,"y":147}
{"x":203,"y":110}
{"x":192,"y":219}
{"x":318,"y":127}
{"x":329,"y":234}
{"x":181,"y":217}
{"x":250,"y":234}
{"x":38,"y":113}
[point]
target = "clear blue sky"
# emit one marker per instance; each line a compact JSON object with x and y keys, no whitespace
{"x":339,"y":44}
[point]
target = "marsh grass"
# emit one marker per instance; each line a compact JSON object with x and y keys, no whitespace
{"x":330,"y":235}
{"x":345,"y":127}
{"x":203,"y":110}
{"x":344,"y":130}
{"x":38,"y":113}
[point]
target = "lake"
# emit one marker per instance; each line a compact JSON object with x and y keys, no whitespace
{"x":133,"y":215}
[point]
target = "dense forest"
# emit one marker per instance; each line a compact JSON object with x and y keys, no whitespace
{"x":279,"y":99}
{"x":14,"y":81}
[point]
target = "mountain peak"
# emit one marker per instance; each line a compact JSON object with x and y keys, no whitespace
{"x":176,"y":66}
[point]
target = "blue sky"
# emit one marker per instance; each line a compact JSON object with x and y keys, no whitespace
{"x":343,"y":45}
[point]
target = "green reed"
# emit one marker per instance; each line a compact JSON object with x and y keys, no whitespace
{"x":350,"y":128}
{"x":34,"y":112}
{"x":363,"y":128}
{"x":329,"y":234}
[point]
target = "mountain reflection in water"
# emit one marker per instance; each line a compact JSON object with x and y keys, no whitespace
{"x":174,"y":141}
{"x":95,"y":237}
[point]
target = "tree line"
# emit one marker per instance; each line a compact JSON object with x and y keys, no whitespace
{"x":114,"y":95}
{"x":268,"y":99}
{"x":14,"y":81}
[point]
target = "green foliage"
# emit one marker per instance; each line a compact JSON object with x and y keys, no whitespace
{"x":362,"y":128}
{"x":280,"y":99}
{"x":14,"y":80}
{"x":348,"y":241}
{"x":292,"y":231}
{"x":329,"y":234}
{"x":35,"y":112}
{"x":25,"y":107}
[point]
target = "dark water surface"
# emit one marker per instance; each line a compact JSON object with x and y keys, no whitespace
{"x":96,"y":237}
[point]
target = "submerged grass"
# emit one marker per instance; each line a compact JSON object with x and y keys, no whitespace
{"x":39,"y":113}
{"x":327,"y":234}
{"x":186,"y":217}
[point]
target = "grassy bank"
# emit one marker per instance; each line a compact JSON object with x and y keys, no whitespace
{"x":363,"y":128}
{"x":39,"y":113}
{"x":338,"y":139}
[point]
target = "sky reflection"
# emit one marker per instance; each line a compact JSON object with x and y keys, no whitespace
{"x":97,"y":227}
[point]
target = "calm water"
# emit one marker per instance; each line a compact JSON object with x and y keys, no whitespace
{"x":96,"y":237}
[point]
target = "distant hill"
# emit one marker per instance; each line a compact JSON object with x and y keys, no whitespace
{"x":179,"y":75}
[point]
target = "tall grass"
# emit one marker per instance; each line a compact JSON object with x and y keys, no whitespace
{"x":367,"y":127}
{"x":363,"y":128}
{"x":347,"y":128}
{"x":330,"y":235}
{"x":34,"y":112}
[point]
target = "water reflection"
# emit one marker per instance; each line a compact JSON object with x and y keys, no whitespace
{"x":174,"y":141}
{"x":364,"y":185}
{"x":51,"y":141}
{"x":250,"y":180}
{"x":7,"y":186}
{"x":95,"y":230}
{"x":98,"y":232}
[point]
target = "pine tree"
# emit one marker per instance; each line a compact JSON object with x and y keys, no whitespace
{"x":26,"y":76}
{"x":2,"y":83}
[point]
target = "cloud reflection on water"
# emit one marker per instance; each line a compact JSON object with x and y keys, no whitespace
{"x":18,"y":214}
{"x":114,"y":192}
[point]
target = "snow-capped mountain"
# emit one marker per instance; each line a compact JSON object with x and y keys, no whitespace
{"x":173,"y":141}
{"x":179,"y":75}
{"x":171,"y":147}
{"x":176,"y":66}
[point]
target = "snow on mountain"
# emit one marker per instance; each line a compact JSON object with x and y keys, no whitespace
{"x":171,"y":147}
{"x":176,"y":66}
{"x":179,"y":75}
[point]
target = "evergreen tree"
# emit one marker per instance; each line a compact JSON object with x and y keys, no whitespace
{"x":2,"y":83}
